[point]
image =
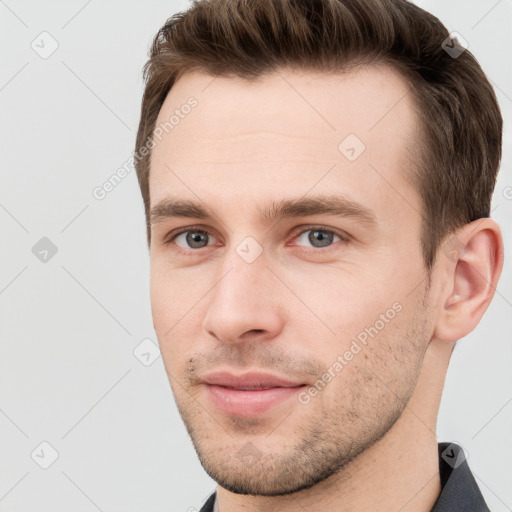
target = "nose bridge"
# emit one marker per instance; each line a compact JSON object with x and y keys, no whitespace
{"x":245,"y":270}
{"x":243,"y":298}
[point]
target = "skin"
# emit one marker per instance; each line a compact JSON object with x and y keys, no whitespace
{"x":367,"y":441}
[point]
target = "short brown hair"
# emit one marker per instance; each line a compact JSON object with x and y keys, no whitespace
{"x":459,"y":152}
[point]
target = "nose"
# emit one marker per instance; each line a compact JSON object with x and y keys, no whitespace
{"x":245,"y":304}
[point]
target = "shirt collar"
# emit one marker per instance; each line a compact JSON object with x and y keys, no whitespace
{"x":459,"y":491}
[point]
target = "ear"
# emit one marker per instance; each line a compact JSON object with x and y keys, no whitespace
{"x":472,"y":260}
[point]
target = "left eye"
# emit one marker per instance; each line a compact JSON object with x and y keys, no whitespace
{"x":194,"y":238}
{"x":318,"y":237}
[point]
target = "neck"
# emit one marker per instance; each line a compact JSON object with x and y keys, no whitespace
{"x":398,"y":472}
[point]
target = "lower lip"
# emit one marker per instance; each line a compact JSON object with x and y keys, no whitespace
{"x":249,"y":403}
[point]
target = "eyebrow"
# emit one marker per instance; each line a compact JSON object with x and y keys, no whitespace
{"x":287,"y":208}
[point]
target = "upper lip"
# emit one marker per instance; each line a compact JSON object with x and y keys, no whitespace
{"x":253,"y":379}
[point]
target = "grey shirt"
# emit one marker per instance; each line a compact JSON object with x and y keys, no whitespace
{"x":459,"y":490}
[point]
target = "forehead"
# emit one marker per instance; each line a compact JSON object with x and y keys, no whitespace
{"x":285,"y":133}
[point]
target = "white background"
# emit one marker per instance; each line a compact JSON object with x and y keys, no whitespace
{"x":69,"y":326}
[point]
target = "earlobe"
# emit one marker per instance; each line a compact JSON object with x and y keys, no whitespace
{"x":473,"y":261}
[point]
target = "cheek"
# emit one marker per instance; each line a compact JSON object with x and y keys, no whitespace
{"x":347,"y":304}
{"x":374,"y":367}
{"x":163,"y":304}
{"x":166,"y":308}
{"x":176,"y":311}
{"x":169,"y":293}
{"x":372,"y":334}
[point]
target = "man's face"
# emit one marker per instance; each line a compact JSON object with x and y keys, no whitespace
{"x":333,"y":303}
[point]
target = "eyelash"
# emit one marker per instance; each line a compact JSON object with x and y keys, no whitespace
{"x":343,"y":236}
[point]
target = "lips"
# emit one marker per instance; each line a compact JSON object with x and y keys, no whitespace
{"x":251,"y":393}
{"x":249,"y":381}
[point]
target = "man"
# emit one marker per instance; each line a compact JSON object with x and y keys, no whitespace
{"x":317,"y":179}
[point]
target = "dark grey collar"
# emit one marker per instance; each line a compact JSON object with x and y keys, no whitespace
{"x":460,"y":491}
